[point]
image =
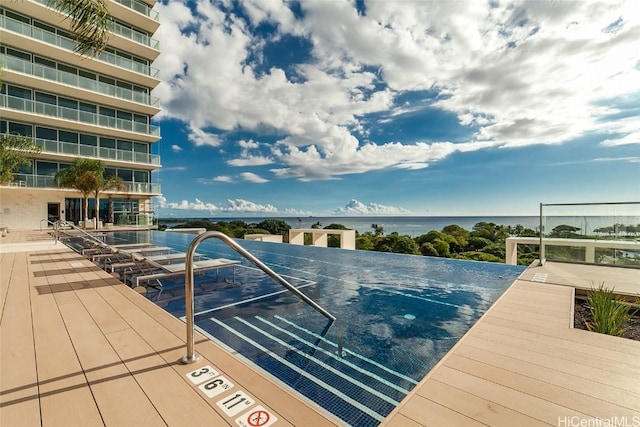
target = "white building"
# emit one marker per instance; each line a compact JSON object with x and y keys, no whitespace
{"x":74,"y":106}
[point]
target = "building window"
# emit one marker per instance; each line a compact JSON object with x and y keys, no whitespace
{"x":20,"y":129}
{"x":46,"y":168}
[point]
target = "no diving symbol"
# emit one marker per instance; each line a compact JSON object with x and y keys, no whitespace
{"x":258,"y":418}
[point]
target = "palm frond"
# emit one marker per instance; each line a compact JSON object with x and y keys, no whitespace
{"x":89,"y":23}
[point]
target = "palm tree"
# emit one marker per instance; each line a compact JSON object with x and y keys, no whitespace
{"x":82,"y":175}
{"x":378,"y":230}
{"x":89,"y":23}
{"x":106,"y":184}
{"x":13,"y":151}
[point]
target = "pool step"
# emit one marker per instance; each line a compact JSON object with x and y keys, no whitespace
{"x":364,"y":391}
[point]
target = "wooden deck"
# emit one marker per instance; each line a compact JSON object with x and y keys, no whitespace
{"x":79,"y":348}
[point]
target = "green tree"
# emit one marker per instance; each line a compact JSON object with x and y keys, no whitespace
{"x":274,"y":226}
{"x":477,"y":243}
{"x":441,"y":247}
{"x":427,"y":249}
{"x":460,"y":236}
{"x":478,"y":256}
{"x":496,"y":249}
{"x":564,"y":231}
{"x":430,"y":237}
{"x":90,"y":22}
{"x":81,"y":175}
{"x":378,"y":230}
{"x":13,"y":155}
{"x":103,"y":184}
{"x":491,"y":231}
{"x":365,"y":242}
{"x":397,"y":244}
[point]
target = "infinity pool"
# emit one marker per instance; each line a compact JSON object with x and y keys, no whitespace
{"x":398,"y":315}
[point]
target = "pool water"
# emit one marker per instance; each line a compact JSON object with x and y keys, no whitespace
{"x":398,"y":315}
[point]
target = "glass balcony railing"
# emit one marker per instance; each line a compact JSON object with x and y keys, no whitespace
{"x":69,"y":44}
{"x":141,"y":7}
{"x":42,"y":71}
{"x":134,"y":35}
{"x":46,"y":181}
{"x":51,"y":110}
{"x":594,"y":233}
{"x":126,"y":32}
{"x":141,"y":187}
{"x":102,"y":153}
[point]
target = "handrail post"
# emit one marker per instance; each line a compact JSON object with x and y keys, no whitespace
{"x":189,"y":296}
{"x":541,"y":250}
{"x":189,"y":302}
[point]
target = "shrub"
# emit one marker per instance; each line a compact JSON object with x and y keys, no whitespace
{"x":610,"y":312}
{"x":427,"y":249}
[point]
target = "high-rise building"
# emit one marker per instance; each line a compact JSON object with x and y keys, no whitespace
{"x":76,"y":106}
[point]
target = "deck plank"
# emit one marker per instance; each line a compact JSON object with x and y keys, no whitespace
{"x":6,"y":268}
{"x":65,"y":396}
{"x":553,"y":376}
{"x":528,"y":405}
{"x":472,"y":406}
{"x":589,"y":359}
{"x":571,"y":399}
{"x":610,"y":354}
{"x":574,"y":335}
{"x":603,"y":374}
{"x":119,"y":398}
{"x":172,"y":395}
{"x":421,"y":408}
{"x":19,"y":400}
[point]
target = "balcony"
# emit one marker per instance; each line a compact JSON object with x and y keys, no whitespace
{"x":140,"y":7}
{"x":110,"y":154}
{"x":585,"y":233}
{"x":126,"y":32}
{"x":29,"y":106}
{"x":134,"y":35}
{"x":69,"y":44}
{"x":49,"y":73}
{"x":46,"y":181}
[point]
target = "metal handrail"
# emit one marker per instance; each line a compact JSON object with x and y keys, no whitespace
{"x":191,"y":355}
{"x":60,"y":222}
{"x":45,"y":219}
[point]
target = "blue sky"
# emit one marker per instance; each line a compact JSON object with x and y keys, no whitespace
{"x":334,"y":108}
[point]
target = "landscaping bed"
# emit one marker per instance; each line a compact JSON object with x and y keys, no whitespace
{"x":582,"y":315}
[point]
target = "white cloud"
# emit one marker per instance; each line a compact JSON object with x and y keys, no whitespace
{"x":230,"y":206}
{"x":240,"y":205}
{"x":176,"y":148}
{"x":355,"y":207}
{"x":197,"y":205}
{"x":200,"y":137}
{"x":223,"y":178}
{"x":250,"y":160}
{"x":252,"y":177}
{"x":514,"y":73}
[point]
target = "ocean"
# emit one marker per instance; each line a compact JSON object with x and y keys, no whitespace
{"x":416,"y":225}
